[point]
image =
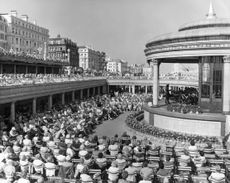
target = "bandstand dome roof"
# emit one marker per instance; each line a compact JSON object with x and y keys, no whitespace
{"x":209,"y":26}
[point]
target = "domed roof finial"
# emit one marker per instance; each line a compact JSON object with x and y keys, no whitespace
{"x":211,"y":13}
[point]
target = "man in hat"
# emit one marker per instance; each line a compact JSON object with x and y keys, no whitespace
{"x":146,"y":172}
{"x":113,"y":172}
{"x":121,"y":162}
{"x":50,"y":167}
{"x":9,"y":170}
{"x":217,"y":176}
{"x":38,"y":166}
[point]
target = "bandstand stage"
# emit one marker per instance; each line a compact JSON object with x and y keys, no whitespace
{"x":207,"y":43}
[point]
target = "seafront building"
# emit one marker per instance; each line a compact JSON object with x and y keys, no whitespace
{"x":90,"y":59}
{"x":117,"y":66}
{"x":25,"y":36}
{"x":3,"y":33}
{"x":63,"y":49}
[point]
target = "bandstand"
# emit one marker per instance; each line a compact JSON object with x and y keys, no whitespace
{"x":206,"y":43}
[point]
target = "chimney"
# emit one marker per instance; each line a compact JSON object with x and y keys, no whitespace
{"x":13,"y":13}
{"x":35,"y":22}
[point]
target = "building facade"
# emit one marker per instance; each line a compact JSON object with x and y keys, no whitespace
{"x":63,"y":49}
{"x":3,"y":33}
{"x":117,"y":66}
{"x":90,"y":59}
{"x":24,"y":36}
{"x":147,"y":71}
{"x":136,"y":69}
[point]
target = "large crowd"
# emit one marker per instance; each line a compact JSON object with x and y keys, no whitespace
{"x":38,"y":57}
{"x":31,"y":79}
{"x":46,"y":144}
{"x":59,"y":146}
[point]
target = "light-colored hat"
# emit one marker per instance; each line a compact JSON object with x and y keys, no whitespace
{"x":86,"y":178}
{"x":22,"y":180}
{"x":44,"y":149}
{"x":50,"y":169}
{"x":82,"y":153}
{"x":61,"y":159}
{"x":38,"y":165}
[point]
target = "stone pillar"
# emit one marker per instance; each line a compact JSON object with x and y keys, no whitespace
{"x":15,"y":68}
{"x":108,"y":89}
{"x":73,"y":96}
{"x":133,"y":89}
{"x":50,"y":102}
{"x":63,"y":98}
{"x":99,"y":90}
{"x":88,"y":92}
{"x":26,"y":69}
{"x":146,"y":89}
{"x":44,"y":70}
{"x":1,"y":68}
{"x":34,"y":106}
{"x":12,"y":111}
{"x":129,"y":89}
{"x":226,"y":85}
{"x":36,"y":69}
{"x":81,"y":94}
{"x":155,"y":82}
{"x":93,"y":91}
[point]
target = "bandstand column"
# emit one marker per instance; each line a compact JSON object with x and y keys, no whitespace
{"x":226,"y":85}
{"x":63,"y":98}
{"x":34,"y":106}
{"x":50,"y":102}
{"x":133,"y":89}
{"x":12,"y":111}
{"x":155,"y":82}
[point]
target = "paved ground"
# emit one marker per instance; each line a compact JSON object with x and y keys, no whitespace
{"x":112,"y":127}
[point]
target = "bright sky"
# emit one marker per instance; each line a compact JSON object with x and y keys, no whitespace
{"x":121,"y":28}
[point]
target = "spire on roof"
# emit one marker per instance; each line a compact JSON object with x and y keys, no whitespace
{"x":211,"y":13}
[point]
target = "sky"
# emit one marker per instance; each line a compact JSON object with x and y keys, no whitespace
{"x":121,"y":28}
